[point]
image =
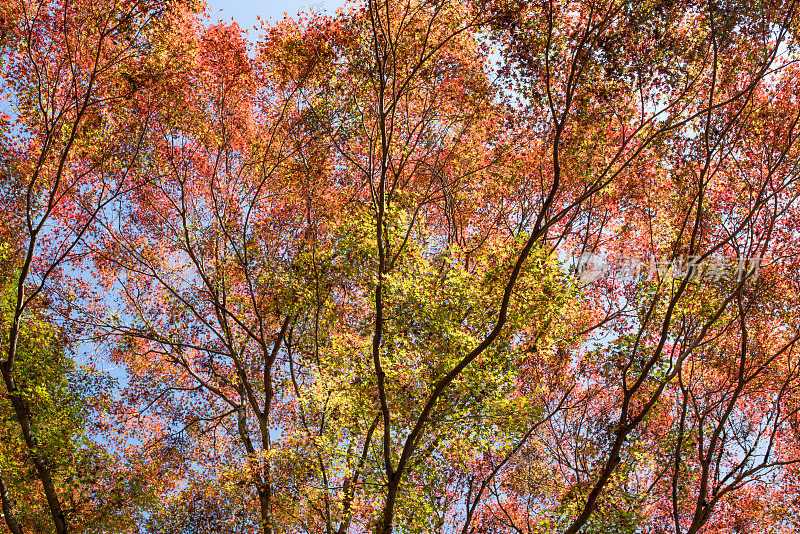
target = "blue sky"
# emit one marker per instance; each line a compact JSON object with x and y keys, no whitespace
{"x":244,"y":12}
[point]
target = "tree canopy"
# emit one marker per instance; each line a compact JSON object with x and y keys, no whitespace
{"x":421,"y":266}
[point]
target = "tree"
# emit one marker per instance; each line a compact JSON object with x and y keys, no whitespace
{"x":61,"y":398}
{"x":350,"y":266}
{"x":72,"y":138}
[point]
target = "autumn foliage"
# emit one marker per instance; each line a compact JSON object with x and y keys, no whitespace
{"x":482,"y":266}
